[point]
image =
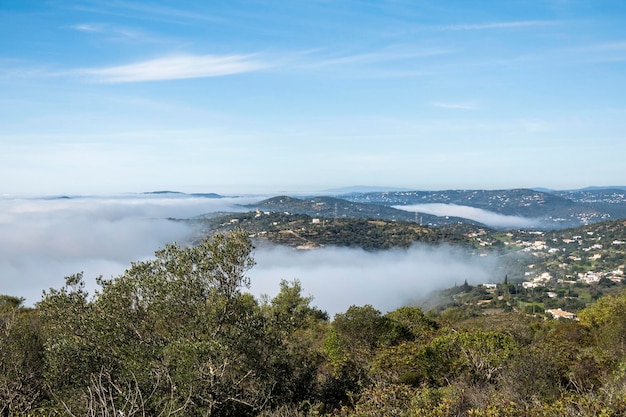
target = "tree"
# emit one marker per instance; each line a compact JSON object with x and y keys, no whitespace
{"x":290,"y":310}
{"x":606,"y":320}
{"x":411,"y":321}
{"x":21,"y":361}
{"x":352,"y":342}
{"x":294,"y":333}
{"x":177,"y":329}
{"x":69,"y":347}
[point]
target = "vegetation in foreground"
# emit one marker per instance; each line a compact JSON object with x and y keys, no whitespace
{"x":178,"y":335}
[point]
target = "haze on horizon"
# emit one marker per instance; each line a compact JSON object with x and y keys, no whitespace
{"x":254,"y":97}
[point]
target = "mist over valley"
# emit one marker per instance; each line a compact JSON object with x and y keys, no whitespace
{"x":42,"y":240}
{"x":488,"y":218}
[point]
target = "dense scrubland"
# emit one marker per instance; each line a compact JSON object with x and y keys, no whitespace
{"x":179,"y":335}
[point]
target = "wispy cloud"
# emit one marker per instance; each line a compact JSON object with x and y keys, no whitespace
{"x":609,"y":46}
{"x":175,"y":67}
{"x":467,"y":105}
{"x":119,"y":33}
{"x":88,"y":27}
{"x":613,"y":51}
{"x":21,"y":69}
{"x":391,"y":62}
{"x":148,"y":12}
{"x":501,"y":25}
{"x":166,"y":11}
{"x":378,"y":57}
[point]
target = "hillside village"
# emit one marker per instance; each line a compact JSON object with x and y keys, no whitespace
{"x":554,"y":273}
{"x":589,"y":253}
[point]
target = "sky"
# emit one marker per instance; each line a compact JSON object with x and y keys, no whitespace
{"x":113,"y":96}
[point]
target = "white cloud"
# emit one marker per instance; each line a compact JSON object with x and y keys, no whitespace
{"x":175,"y":67}
{"x":486,"y":217}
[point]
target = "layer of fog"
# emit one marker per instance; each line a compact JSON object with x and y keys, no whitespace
{"x":44,"y":240}
{"x":485,"y":217}
{"x":340,"y":277}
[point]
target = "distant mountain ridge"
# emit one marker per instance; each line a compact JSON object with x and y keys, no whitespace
{"x":600,"y":188}
{"x":364,"y":189}
{"x":551,"y":209}
{"x":573,"y":190}
{"x":559,"y":208}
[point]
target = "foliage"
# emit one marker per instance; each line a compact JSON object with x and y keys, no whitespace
{"x":300,"y":230}
{"x":176,"y":329}
{"x":606,"y":319}
{"x":178,"y":335}
{"x":21,"y":361}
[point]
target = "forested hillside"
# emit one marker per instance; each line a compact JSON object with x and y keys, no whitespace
{"x":179,"y":335}
{"x":303,"y":231}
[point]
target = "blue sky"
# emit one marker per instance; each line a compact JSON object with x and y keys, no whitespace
{"x":298,"y":96}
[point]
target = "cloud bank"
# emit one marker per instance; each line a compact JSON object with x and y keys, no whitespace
{"x":340,"y":277}
{"x":44,"y":240}
{"x":486,"y":217}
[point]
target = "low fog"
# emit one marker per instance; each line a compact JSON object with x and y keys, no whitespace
{"x":44,"y":240}
{"x":486,"y":217}
{"x":340,"y":277}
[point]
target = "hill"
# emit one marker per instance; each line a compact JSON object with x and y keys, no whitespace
{"x":330,"y":207}
{"x":304,"y":232}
